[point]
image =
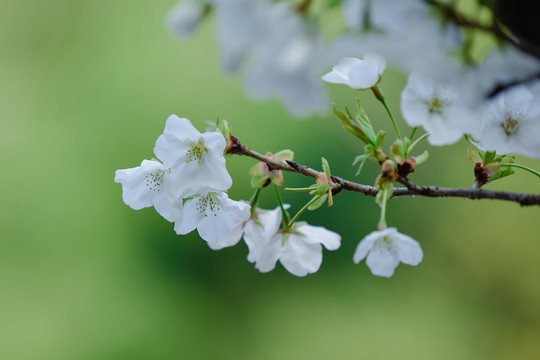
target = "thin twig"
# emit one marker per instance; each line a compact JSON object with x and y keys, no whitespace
{"x":409,"y":190}
{"x":495,"y":29}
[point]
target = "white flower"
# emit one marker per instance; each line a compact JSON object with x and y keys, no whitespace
{"x":148,"y":185}
{"x":196,"y":160}
{"x":511,"y":124}
{"x":439,"y":107}
{"x":357,"y":73}
{"x":287,"y":65}
{"x":504,"y":66}
{"x":299,"y":251}
{"x":259,"y":231}
{"x":217,"y":218}
{"x":185,"y":16}
{"x":241,"y":26}
{"x":385,"y":249}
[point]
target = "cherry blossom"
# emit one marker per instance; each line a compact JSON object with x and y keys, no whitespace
{"x":148,"y":185}
{"x":299,"y":249}
{"x":385,"y":249}
{"x":196,"y":160}
{"x":438,"y":107}
{"x":217,"y":218}
{"x":511,"y":124}
{"x":356,"y":73}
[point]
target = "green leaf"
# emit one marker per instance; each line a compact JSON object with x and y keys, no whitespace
{"x":326,"y":168}
{"x":257,"y":181}
{"x":501,"y":174}
{"x":380,"y":138}
{"x":421,"y":158}
{"x":318,"y":203}
{"x":362,"y":117}
{"x":284,"y":155}
{"x":362,"y":159}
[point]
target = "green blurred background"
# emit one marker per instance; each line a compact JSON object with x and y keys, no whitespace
{"x":86,"y":88}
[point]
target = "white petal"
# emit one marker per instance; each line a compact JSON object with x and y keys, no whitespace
{"x":257,"y":236}
{"x":270,"y":254}
{"x":382,"y":262}
{"x":168,"y":206}
{"x":219,"y":230}
{"x":379,"y":61}
{"x":301,"y":258}
{"x":138,"y":187}
{"x":320,"y":235}
{"x":443,"y":131}
{"x":409,"y":250}
{"x":335,"y":78}
{"x":365,"y":245}
{"x":364,"y":76}
{"x":239,"y":209}
{"x":191,"y":217}
{"x":177,"y":137}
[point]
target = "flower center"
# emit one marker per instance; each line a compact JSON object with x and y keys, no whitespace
{"x":436,"y":105}
{"x":154,"y":180}
{"x":510,"y":126}
{"x":386,"y":243}
{"x":196,"y":152}
{"x":208,"y":205}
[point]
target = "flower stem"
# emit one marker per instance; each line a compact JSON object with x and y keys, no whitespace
{"x":304,"y":208}
{"x":254,"y":200}
{"x":379,"y":95}
{"x":286,"y":216}
{"x":532,"y":171}
{"x":382,"y":220}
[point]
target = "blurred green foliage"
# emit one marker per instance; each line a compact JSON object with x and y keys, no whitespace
{"x":86,"y":88}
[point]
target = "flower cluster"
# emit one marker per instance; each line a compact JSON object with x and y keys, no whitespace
{"x":187,"y":186}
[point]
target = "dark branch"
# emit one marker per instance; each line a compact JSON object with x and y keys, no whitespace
{"x":495,"y":28}
{"x":411,"y":189}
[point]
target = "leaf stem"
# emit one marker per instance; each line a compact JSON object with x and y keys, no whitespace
{"x":532,"y":171}
{"x":304,"y":208}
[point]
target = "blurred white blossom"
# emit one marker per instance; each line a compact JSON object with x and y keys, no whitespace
{"x":441,"y":108}
{"x":185,"y":16}
{"x":511,"y":123}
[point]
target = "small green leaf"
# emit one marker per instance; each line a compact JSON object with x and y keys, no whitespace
{"x":361,"y":167}
{"x":361,"y":158}
{"x":421,"y":158}
{"x":363,"y":118}
{"x":380,"y":139}
{"x":257,"y":181}
{"x":501,"y":174}
{"x":318,"y":203}
{"x":285,"y":155}
{"x":326,"y":168}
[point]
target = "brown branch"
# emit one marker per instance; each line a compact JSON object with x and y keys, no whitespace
{"x":495,"y":28}
{"x":409,"y":190}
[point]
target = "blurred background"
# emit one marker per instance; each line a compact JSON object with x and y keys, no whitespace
{"x":86,"y":89}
